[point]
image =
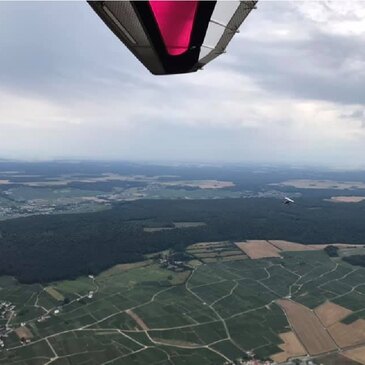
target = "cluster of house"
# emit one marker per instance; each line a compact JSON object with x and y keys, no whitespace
{"x":168,"y":262}
{"x":43,"y":318}
{"x":6,"y":308}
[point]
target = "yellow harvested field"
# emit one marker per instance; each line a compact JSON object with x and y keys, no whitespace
{"x":330,"y":313}
{"x":194,"y":263}
{"x":258,"y":249}
{"x":357,"y":354}
{"x":208,"y":245}
{"x":346,"y":199}
{"x":307,"y":327}
{"x":290,"y":246}
{"x":291,"y":347}
{"x":323,"y":184}
{"x":138,"y":319}
{"x":54,"y":293}
{"x":117,"y":269}
{"x":24,"y":332}
{"x":202,"y":184}
{"x":347,"y":335}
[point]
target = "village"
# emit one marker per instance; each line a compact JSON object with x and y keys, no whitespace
{"x":6,"y":313}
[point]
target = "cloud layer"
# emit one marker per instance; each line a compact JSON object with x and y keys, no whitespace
{"x":290,"y":89}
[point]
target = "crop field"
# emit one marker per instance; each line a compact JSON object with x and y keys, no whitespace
{"x":338,"y":359}
{"x":291,"y":347}
{"x":210,"y":314}
{"x":258,"y":249}
{"x":357,"y":354}
{"x":323,"y":184}
{"x":346,"y":199}
{"x":209,"y":252}
{"x":330,"y":313}
{"x":308,"y":328}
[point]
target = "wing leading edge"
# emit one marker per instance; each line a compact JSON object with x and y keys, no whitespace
{"x":172,"y":37}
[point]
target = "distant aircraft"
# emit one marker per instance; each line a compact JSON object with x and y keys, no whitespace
{"x":288,"y":200}
{"x":173,"y":37}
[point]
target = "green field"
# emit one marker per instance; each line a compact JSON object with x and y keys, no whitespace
{"x":148,"y":314}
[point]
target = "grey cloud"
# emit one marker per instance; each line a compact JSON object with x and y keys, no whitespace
{"x":61,"y":52}
{"x":313,"y":68}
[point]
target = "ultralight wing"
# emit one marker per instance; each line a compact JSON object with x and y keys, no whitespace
{"x":172,"y":37}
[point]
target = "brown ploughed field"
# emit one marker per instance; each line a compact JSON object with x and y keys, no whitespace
{"x":290,"y":246}
{"x":258,"y":249}
{"x":357,"y":354}
{"x":347,"y":335}
{"x":307,"y":327}
{"x":330,"y":313}
{"x":291,"y":347}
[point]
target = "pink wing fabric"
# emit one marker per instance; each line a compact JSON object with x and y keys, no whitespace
{"x":174,"y":36}
{"x":175,"y":20}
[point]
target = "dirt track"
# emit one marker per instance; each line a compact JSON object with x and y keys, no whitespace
{"x":137,"y":319}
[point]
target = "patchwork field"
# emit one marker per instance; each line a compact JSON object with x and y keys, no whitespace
{"x":357,"y":354}
{"x":308,"y":328}
{"x":212,"y":313}
{"x":337,"y":359}
{"x":209,"y":252}
{"x":346,"y":199}
{"x":347,"y":335}
{"x":331,"y":313}
{"x":291,"y":347}
{"x":323,"y":184}
{"x":202,"y":184}
{"x":290,"y":246}
{"x":258,"y":249}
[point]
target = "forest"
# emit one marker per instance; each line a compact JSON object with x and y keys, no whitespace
{"x":47,"y":248}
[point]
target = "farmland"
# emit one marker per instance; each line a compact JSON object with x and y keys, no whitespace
{"x":210,"y":313}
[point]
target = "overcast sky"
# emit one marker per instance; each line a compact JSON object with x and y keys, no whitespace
{"x":290,"y":89}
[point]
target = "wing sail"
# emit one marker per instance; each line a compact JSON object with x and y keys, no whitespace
{"x":171,"y":37}
{"x":226,"y":19}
